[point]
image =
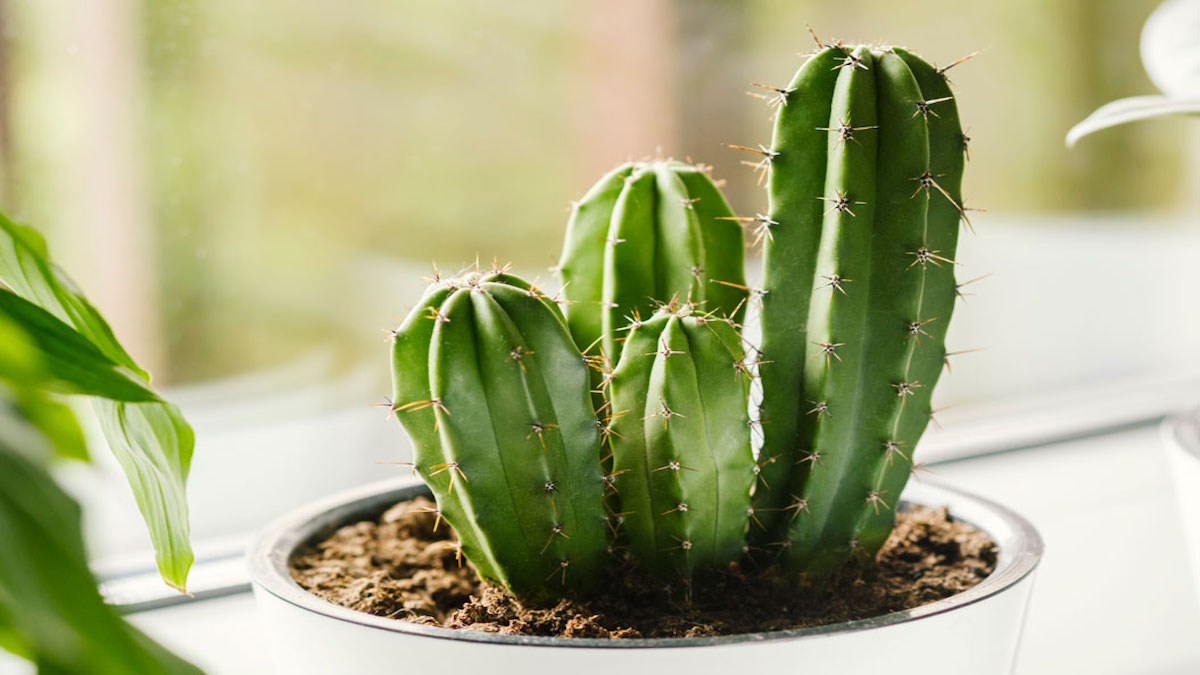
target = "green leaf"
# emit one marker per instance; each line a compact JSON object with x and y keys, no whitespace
{"x":26,"y":268}
{"x":54,"y":420}
{"x":152,"y":441}
{"x":23,"y":376}
{"x":50,"y":610}
{"x":153,"y":444}
{"x":72,"y":359}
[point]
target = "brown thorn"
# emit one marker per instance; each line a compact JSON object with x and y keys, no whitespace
{"x":453,"y":468}
{"x":947,"y":355}
{"x":413,"y":465}
{"x":923,"y":108}
{"x":828,"y":349}
{"x":919,"y":468}
{"x":387,"y":403}
{"x":875,"y":498}
{"x":891,"y":448}
{"x":457,"y":546}
{"x":820,"y":45}
{"x":958,"y":288}
{"x":835,"y":283}
{"x":968,"y":57}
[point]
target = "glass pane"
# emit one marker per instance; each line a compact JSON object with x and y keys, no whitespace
{"x":252,"y":190}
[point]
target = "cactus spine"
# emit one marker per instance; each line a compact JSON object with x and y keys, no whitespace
{"x":682,"y":458}
{"x":494,"y":394}
{"x":647,"y":232}
{"x":865,"y":173}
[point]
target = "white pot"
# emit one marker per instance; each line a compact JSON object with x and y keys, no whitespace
{"x":1182,"y":436}
{"x":977,"y":631}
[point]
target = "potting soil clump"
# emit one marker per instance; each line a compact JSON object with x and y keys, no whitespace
{"x":398,"y":566}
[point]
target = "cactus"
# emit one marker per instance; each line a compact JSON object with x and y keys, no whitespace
{"x":682,"y":458}
{"x":647,"y":232}
{"x":494,"y":394}
{"x":865,"y":171}
{"x":865,"y":174}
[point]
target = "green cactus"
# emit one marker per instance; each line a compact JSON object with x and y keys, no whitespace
{"x":682,"y":458}
{"x":865,"y":173}
{"x":647,"y":232}
{"x":859,"y":238}
{"x":494,"y":394}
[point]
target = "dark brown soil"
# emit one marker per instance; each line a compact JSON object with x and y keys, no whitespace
{"x":399,"y":567}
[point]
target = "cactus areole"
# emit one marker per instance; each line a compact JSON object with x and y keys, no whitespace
{"x":864,"y":177}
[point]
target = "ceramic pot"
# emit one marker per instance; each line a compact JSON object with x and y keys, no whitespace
{"x":977,"y":631}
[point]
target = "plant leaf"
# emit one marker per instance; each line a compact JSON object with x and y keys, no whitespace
{"x":70,"y":358}
{"x":54,"y":420}
{"x":26,"y":268}
{"x":152,"y":441}
{"x":50,"y":610}
{"x":153,"y":445}
{"x":1131,"y":109}
{"x":22,"y":376}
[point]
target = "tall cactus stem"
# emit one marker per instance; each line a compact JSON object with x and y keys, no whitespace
{"x":865,"y":185}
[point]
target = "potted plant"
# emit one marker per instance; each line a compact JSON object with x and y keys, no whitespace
{"x":1170,"y":48}
{"x":53,"y":342}
{"x":606,"y":455}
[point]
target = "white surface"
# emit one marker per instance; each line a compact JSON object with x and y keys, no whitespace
{"x":1046,"y":318}
{"x":1112,"y":595}
{"x":1184,"y":463}
{"x":222,"y":636}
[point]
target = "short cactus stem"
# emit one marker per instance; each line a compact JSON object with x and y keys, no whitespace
{"x":682,"y":452}
{"x":865,"y":185}
{"x":647,"y":232}
{"x":494,"y":394}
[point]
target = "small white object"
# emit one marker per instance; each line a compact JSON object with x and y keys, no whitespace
{"x":976,"y":631}
{"x":1171,"y":55}
{"x":1170,"y":48}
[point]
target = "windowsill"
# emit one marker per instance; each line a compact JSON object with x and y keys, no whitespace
{"x":1113,"y":593}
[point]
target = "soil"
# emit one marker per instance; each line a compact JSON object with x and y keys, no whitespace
{"x":397,"y":566}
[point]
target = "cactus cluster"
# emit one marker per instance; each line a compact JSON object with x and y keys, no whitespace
{"x":546,"y":467}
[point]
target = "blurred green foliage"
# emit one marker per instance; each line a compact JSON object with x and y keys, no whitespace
{"x":282,"y":141}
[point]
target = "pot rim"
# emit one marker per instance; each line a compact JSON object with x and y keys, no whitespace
{"x":1020,"y":550}
{"x":1182,"y":431}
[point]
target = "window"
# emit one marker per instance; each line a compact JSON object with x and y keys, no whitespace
{"x":250,"y":189}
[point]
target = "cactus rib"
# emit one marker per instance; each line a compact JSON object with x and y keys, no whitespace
{"x":797,"y":178}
